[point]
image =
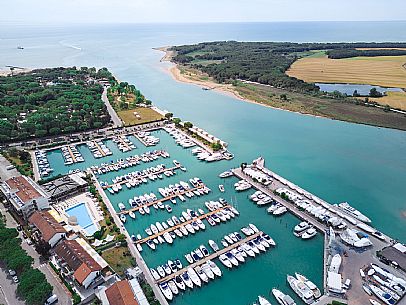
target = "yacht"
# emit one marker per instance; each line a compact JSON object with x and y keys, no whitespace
{"x":226,"y":174}
{"x":225,"y":261}
{"x":213,"y":245}
{"x":201,"y":274}
{"x":166,"y":291}
{"x":263,"y":301}
{"x":309,"y":233}
{"x":207,"y":270}
{"x":194,"y":277}
{"x":309,"y":284}
{"x":179,"y":282}
{"x":301,"y":227}
{"x":155,"y":274}
{"x":173,"y":287}
{"x":353,"y":212}
{"x":282,"y":298}
{"x":301,"y":290}
{"x":186,"y":279}
{"x":216,"y":270}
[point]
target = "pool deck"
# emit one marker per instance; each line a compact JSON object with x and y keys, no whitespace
{"x":354,"y":260}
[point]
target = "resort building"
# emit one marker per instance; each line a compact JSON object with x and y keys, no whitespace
{"x":24,"y":195}
{"x":126,"y":292}
{"x":64,"y":187}
{"x":47,"y":228}
{"x":78,"y":261}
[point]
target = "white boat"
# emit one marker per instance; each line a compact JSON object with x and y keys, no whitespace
{"x":336,"y":263}
{"x":226,"y":174}
{"x":167,"y":292}
{"x":173,"y":287}
{"x":301,"y":227}
{"x":280,"y":211}
{"x":301,"y":290}
{"x":225,"y":261}
{"x":155,"y":274}
{"x":123,"y":218}
{"x":201,"y":274}
{"x":353,"y":212}
{"x":382,"y":295}
{"x":161,"y":271}
{"x":253,"y":227}
{"x":216,"y":270}
{"x":263,"y":301}
{"x":221,"y":188}
{"x":282,"y":298}
{"x":213,"y":245}
{"x":194,"y":277}
{"x":179,"y":282}
{"x":207,"y":270}
{"x":187,"y":280}
{"x":131,"y":214}
{"x":373,"y":302}
{"x":309,"y":284}
{"x":309,"y":233}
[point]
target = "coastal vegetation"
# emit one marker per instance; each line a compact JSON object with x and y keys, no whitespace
{"x":271,"y":74}
{"x":131,"y":105}
{"x":47,"y":102}
{"x":21,"y":159}
{"x":33,"y":286}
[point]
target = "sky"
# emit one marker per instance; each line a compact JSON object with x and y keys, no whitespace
{"x":180,"y":11}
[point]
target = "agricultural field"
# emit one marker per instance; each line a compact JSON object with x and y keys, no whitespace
{"x":385,"y":71}
{"x":145,"y":115}
{"x":393,"y":99}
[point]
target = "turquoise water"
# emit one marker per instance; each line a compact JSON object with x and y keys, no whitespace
{"x":83,"y":217}
{"x":337,"y":161}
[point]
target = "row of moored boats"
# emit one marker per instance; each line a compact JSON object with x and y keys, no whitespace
{"x":147,"y":138}
{"x":123,"y":143}
{"x":44,"y":168}
{"x":98,"y":149}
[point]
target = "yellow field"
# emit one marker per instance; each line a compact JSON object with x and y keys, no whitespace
{"x":147,"y":115}
{"x":393,"y":99}
{"x":386,"y":71}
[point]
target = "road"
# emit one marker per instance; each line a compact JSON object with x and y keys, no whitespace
{"x":114,"y":117}
{"x":4,"y":173}
{"x":9,"y":289}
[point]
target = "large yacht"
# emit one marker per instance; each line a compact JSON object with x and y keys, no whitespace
{"x":282,"y":298}
{"x":353,"y":212}
{"x":301,"y":290}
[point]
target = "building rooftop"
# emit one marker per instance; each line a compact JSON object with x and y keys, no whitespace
{"x":120,"y":293}
{"x":23,"y":190}
{"x":63,"y":185}
{"x":77,"y":258}
{"x":46,"y":224}
{"x":396,"y":253}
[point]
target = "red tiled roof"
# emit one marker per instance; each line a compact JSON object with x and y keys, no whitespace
{"x":120,"y":293}
{"x":81,"y":262}
{"x":46,"y":224}
{"x":22,"y":188}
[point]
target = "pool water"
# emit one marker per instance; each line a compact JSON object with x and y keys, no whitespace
{"x":83,"y":217}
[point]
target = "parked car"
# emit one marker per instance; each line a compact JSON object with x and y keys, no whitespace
{"x":12,"y":272}
{"x":52,"y":299}
{"x":29,"y":242}
{"x":15,"y":279}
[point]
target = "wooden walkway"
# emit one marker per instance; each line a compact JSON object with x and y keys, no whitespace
{"x":121,"y":141}
{"x":160,"y":200}
{"x":99,"y":148}
{"x":141,"y":140}
{"x":170,"y":229}
{"x":144,"y":176}
{"x":71,"y":154}
{"x":210,"y":257}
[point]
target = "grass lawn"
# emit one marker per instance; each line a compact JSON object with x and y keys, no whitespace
{"x":119,"y":259}
{"x":393,"y":99}
{"x":147,"y":115}
{"x":386,"y":71}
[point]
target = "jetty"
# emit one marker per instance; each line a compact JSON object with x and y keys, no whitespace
{"x":71,"y":154}
{"x":142,"y":140}
{"x":99,"y":148}
{"x":210,"y":257}
{"x":170,"y":229}
{"x":144,"y":176}
{"x":160,"y":200}
{"x":124,"y":143}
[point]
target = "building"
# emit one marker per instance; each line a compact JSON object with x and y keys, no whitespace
{"x":47,"y":228}
{"x":395,"y":255}
{"x":76,"y":262}
{"x":126,"y":292}
{"x":24,"y":195}
{"x":63,"y":187}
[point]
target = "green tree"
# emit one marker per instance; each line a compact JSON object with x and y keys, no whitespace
{"x":176,"y":121}
{"x":168,"y":115}
{"x":188,"y":125}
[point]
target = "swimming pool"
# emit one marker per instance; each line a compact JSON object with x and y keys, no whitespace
{"x":83,"y":217}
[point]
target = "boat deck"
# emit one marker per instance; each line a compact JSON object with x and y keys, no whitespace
{"x":144,"y":176}
{"x":170,"y":229}
{"x":160,"y":200}
{"x":210,"y":257}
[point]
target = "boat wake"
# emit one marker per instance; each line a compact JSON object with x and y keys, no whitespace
{"x":70,"y":46}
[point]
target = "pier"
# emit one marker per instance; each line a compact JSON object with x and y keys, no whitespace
{"x":121,"y":141}
{"x":170,"y":229}
{"x":144,"y":176}
{"x":159,"y":200}
{"x":71,"y":154}
{"x":210,"y":257}
{"x":99,"y":148}
{"x":141,"y":140}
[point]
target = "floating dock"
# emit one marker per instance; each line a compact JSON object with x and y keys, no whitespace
{"x":159,"y":200}
{"x":71,"y":154}
{"x":170,"y":229}
{"x":99,"y":148}
{"x":210,"y":257}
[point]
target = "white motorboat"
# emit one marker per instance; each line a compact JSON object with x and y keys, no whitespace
{"x":151,"y":244}
{"x":226,"y":174}
{"x":161,"y":271}
{"x":247,"y":249}
{"x":201,"y":274}
{"x":225,"y":261}
{"x":173,"y":287}
{"x":216,"y":270}
{"x":187,"y":280}
{"x":207,"y":270}
{"x":301,"y":290}
{"x":280,"y":211}
{"x":382,"y":295}
{"x":373,"y":302}
{"x":167,"y":292}
{"x":309,"y":284}
{"x":221,"y":188}
{"x":263,"y":301}
{"x":213,"y":245}
{"x":232,"y":258}
{"x":309,"y":233}
{"x":336,"y":263}
{"x":123,"y":218}
{"x":353,"y":212}
{"x":282,"y":298}
{"x":194,"y":277}
{"x":189,"y":258}
{"x":179,"y":282}
{"x":131,"y":214}
{"x":253,"y":227}
{"x":155,"y":274}
{"x":301,"y":227}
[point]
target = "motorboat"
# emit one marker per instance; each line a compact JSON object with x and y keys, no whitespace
{"x":345,"y":206}
{"x":232,"y":258}
{"x":263,"y":301}
{"x":173,"y":287}
{"x":282,"y":298}
{"x":301,"y":290}
{"x":131,"y":214}
{"x":373,"y":302}
{"x":213,"y":245}
{"x":179,"y":282}
{"x":280,"y":211}
{"x":151,"y":244}
{"x":309,"y":284}
{"x":301,"y":227}
{"x":161,"y":271}
{"x":194,"y":277}
{"x":309,"y":233}
{"x":189,"y":258}
{"x":123,"y":218}
{"x":226,"y":174}
{"x":382,"y":295}
{"x":216,"y":270}
{"x":204,"y":250}
{"x":201,"y":274}
{"x":207,"y":270}
{"x":187,"y":280}
{"x":254,"y":228}
{"x":269,"y":239}
{"x":221,"y":188}
{"x":167,"y":292}
{"x":247,"y":249}
{"x":155,"y":274}
{"x":167,"y":269}
{"x":225,"y":261}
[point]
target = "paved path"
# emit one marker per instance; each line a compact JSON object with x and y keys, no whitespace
{"x":114,"y":117}
{"x":40,"y":264}
{"x":4,"y":173}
